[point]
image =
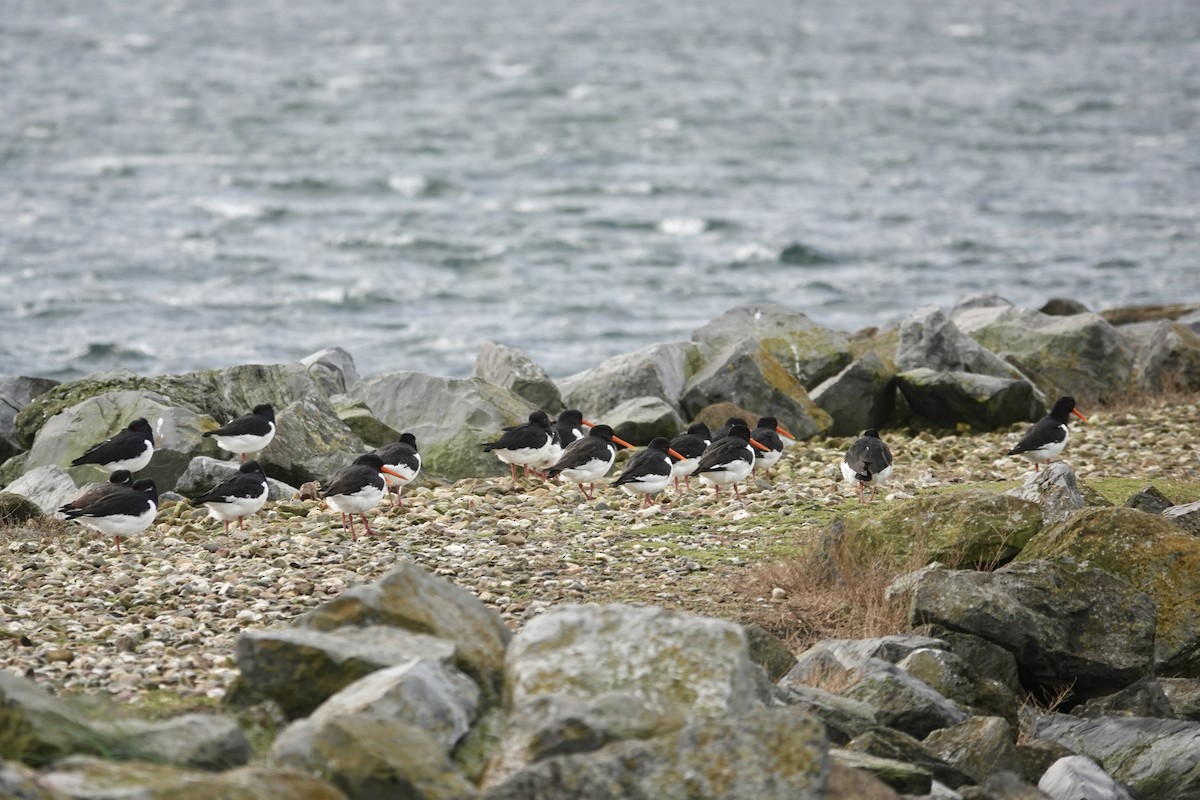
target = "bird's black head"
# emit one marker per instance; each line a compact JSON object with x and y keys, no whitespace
{"x":659,"y":443}
{"x":370,"y":460}
{"x":1063,"y":408}
{"x":540,"y":417}
{"x":264,"y":410}
{"x":870,"y":433}
{"x":146,"y":486}
{"x":699,"y":429}
{"x":409,"y":440}
{"x":122,"y":477}
{"x":601,"y":432}
{"x":768,"y":422}
{"x":252,"y":467}
{"x":572,"y":416}
{"x":734,"y":422}
{"x":141,"y":425}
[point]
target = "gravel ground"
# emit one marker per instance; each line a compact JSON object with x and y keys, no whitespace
{"x":165,"y":615}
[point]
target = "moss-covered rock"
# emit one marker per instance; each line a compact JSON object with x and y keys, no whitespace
{"x":976,"y":527}
{"x":1151,"y":554}
{"x":948,"y":400}
{"x":16,"y":510}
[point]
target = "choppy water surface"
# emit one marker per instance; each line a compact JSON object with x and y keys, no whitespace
{"x":191,"y":185}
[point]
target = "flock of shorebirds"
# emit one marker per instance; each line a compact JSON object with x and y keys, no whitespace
{"x":569,"y":447}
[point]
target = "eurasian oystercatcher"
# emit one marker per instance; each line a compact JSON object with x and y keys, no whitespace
{"x":587,"y":460}
{"x":129,"y":449}
{"x":689,"y":446}
{"x":649,"y":471}
{"x":1048,"y":436}
{"x":238,"y":496}
{"x":729,"y":460}
{"x":121,"y":479}
{"x":127,"y":511}
{"x":770,"y":434}
{"x":357,"y":489}
{"x":402,"y":458}
{"x":868,"y":461}
{"x":570,"y":426}
{"x":730,"y":424}
{"x":526,"y":444}
{"x":248,"y":433}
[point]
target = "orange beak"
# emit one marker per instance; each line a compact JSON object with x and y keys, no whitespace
{"x":621,"y":442}
{"x":1075,"y":411}
{"x":779,"y":429}
{"x":760,"y":445}
{"x":391,"y":472}
{"x":673,"y":454}
{"x":589,"y":424}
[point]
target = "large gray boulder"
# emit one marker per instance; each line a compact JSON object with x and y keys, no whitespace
{"x":861,"y":396}
{"x":15,"y":393}
{"x":451,"y":418}
{"x":944,"y":399}
{"x":1067,"y":625}
{"x":391,"y":731}
{"x":1153,"y":757}
{"x":311,"y":441}
{"x":902,"y":701}
{"x":49,"y":487}
{"x":775,"y":754}
{"x":198,"y":741}
{"x":1055,"y":489}
{"x":37,"y":728}
{"x":301,"y":668}
{"x":409,"y":598}
{"x":1166,"y":355}
{"x":660,"y":370}
{"x":640,"y":419}
{"x":749,"y":375}
{"x":899,"y":747}
{"x":87,"y":778}
{"x":804,"y":349}
{"x":844,"y":717}
{"x":979,"y":746}
{"x":1080,"y":778}
{"x":1080,"y":355}
{"x":332,"y":369}
{"x":510,"y":368}
{"x":1145,"y":551}
{"x":930,"y":340}
{"x":589,"y":675}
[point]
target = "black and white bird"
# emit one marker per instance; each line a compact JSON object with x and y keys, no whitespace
{"x":868,"y":462}
{"x":357,"y":489}
{"x":248,"y":433}
{"x":1047,"y":438}
{"x":402,"y":458}
{"x":688,"y":446}
{"x":587,"y":460}
{"x":127,"y":511}
{"x":527,"y":444}
{"x":730,"y":424}
{"x":649,"y":471}
{"x":129,"y":449}
{"x":238,"y":496}
{"x":571,"y":426}
{"x":770,"y":434}
{"x":728,"y":461}
{"x":121,"y":479}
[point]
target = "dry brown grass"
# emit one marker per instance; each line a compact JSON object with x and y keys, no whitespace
{"x":41,"y":528}
{"x":834,"y":591}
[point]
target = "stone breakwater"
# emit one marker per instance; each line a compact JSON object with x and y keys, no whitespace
{"x":167,"y":616}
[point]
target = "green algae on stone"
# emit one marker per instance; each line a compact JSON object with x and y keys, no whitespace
{"x":1151,"y":554}
{"x":973,"y":527}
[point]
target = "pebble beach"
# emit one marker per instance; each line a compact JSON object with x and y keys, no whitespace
{"x":164,"y":616}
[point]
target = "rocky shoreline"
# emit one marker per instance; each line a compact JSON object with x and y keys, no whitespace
{"x":165,"y":618}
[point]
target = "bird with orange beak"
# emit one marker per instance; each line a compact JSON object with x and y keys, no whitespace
{"x":589,"y":459}
{"x":728,"y":461}
{"x":357,"y":489}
